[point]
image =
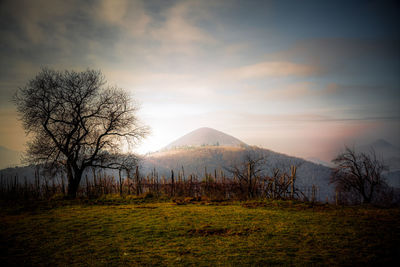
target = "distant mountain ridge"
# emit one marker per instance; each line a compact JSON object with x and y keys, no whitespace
{"x":205,"y":137}
{"x":385,"y":151}
{"x":318,"y":161}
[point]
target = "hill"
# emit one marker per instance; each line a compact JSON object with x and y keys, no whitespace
{"x":205,"y":137}
{"x":197,"y":160}
{"x":207,"y":149}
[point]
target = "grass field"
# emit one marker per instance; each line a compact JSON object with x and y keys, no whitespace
{"x":120,"y":232}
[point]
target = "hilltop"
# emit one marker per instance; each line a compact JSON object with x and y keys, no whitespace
{"x":205,"y":137}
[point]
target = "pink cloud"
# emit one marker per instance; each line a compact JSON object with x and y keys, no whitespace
{"x":270,"y":69}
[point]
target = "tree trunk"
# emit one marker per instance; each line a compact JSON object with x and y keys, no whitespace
{"x":74,"y":178}
{"x":365,"y":199}
{"x":72,"y":188}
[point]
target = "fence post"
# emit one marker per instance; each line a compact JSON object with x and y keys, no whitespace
{"x":137,"y":178}
{"x":292,"y":179}
{"x":172,"y":183}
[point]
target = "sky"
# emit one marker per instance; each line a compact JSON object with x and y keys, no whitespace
{"x":298,"y":77}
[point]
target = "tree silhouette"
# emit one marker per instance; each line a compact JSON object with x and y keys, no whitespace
{"x":76,"y":121}
{"x":359,"y":174}
{"x":248,"y":172}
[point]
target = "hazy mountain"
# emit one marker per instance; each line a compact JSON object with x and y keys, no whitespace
{"x":389,"y":153}
{"x":205,"y":137}
{"x":9,"y":158}
{"x":206,"y":149}
{"x":21,"y":172}
{"x":197,"y":160}
{"x":319,"y":161}
{"x":382,"y":147}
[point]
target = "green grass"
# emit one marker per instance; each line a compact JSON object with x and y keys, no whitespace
{"x":119,"y":232}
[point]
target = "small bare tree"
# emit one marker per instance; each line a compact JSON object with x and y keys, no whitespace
{"x":76,"y":121}
{"x":358,"y":173}
{"x":281,"y":184}
{"x":248,"y":172}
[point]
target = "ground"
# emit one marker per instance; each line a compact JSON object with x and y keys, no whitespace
{"x":141,"y":232}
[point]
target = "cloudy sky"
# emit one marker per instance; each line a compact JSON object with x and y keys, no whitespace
{"x":298,"y":77}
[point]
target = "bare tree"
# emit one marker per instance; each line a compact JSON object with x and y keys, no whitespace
{"x":281,"y":184}
{"x":358,"y":173}
{"x":248,"y":172}
{"x":76,"y":121}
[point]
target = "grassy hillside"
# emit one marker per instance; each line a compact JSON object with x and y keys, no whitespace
{"x":118,"y":232}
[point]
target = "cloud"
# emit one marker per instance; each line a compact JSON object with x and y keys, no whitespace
{"x":338,"y":55}
{"x":291,"y":91}
{"x":49,"y":33}
{"x":35,"y":18}
{"x":131,"y":16}
{"x":234,"y":48}
{"x":179,"y":32}
{"x":270,"y":69}
{"x":285,"y":92}
{"x":311,"y":118}
{"x":153,"y":81}
{"x":179,"y":28}
{"x":301,"y":90}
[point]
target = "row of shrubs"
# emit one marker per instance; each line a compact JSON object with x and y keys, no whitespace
{"x":210,"y":187}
